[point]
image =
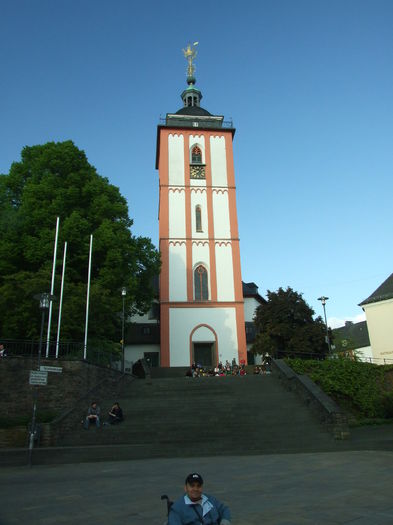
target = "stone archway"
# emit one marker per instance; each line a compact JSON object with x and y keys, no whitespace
{"x":204,"y":346}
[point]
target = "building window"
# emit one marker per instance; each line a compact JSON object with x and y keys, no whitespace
{"x":198,"y":219}
{"x":146,"y":330}
{"x":196,"y":155}
{"x":197,"y":169}
{"x":200,"y":284}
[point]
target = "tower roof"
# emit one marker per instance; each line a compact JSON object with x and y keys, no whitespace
{"x":192,"y":114}
{"x":193,"y":110}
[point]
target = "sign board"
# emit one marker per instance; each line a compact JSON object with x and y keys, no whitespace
{"x":57,"y":369}
{"x":38,"y":378}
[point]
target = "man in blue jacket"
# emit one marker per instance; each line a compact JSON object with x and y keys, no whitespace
{"x":196,"y":508}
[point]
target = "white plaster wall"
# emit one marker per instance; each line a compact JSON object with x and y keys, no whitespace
{"x":176,"y":159}
{"x":365,"y":354}
{"x":380,"y":328}
{"x":218,"y":161}
{"x":183,"y":320}
{"x":250,"y":306}
{"x":203,"y":335}
{"x":197,"y":140}
{"x":222,"y":227}
{"x":198,"y":182}
{"x":201,"y":255}
{"x":199,"y":198}
{"x":224,"y":272}
{"x":177,"y":218}
{"x":177,"y":272}
{"x":134,"y":352}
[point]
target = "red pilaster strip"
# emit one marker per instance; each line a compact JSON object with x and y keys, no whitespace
{"x":241,"y":333}
{"x":237,"y":274}
{"x":164,"y":330}
{"x":164,"y":246}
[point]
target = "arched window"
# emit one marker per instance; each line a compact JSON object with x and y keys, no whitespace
{"x":200,"y":284}
{"x":196,"y":155}
{"x":198,"y":219}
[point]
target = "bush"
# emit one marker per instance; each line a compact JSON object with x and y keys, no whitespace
{"x":356,"y":386}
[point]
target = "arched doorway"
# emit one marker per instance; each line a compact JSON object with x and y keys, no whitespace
{"x":204,"y":346}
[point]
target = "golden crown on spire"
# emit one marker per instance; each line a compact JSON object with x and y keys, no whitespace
{"x":190,"y":53}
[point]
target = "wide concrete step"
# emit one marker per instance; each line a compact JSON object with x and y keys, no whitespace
{"x":224,"y":415}
{"x":116,"y":452}
{"x":209,"y":438}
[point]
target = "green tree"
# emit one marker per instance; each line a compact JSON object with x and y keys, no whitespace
{"x":56,"y":180}
{"x":286,"y":327}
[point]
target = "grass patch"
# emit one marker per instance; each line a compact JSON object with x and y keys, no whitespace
{"x":360,"y":388}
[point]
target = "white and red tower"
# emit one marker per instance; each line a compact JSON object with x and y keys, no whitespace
{"x":201,"y":299}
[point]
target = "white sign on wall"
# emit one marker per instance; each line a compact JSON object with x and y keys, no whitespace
{"x":56,"y":369}
{"x":37,"y":377}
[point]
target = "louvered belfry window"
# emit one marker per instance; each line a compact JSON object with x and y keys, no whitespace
{"x":200,"y":284}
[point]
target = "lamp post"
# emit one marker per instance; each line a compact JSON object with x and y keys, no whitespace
{"x":323,"y":300}
{"x":123,"y":294}
{"x":45,"y":300}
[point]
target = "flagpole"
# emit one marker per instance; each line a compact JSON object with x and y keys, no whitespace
{"x":87,"y":299}
{"x":52,"y":287}
{"x":61,"y":300}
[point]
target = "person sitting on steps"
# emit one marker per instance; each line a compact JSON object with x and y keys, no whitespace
{"x":115,"y":414}
{"x":93,"y":415}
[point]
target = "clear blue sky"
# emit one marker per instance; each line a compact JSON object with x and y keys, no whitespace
{"x":309,"y":85}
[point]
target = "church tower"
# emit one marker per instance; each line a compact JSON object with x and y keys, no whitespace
{"x":201,"y":299}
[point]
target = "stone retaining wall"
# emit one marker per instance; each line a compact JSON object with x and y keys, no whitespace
{"x":76,"y":384}
{"x":13,"y":437}
{"x":320,"y":403}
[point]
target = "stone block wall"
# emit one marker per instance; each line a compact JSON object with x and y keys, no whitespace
{"x":61,"y":392}
{"x":323,"y":406}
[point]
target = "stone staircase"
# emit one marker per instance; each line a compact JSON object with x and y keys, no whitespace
{"x":201,"y":417}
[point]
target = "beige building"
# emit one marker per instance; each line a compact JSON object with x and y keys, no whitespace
{"x":379,"y":314}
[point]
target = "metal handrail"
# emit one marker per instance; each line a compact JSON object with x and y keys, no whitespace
{"x":320,"y":357}
{"x":67,"y":350}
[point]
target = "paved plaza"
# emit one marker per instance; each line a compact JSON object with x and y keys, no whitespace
{"x":287,"y":489}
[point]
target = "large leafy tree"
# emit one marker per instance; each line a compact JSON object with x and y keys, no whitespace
{"x":56,"y":180}
{"x":286,"y":326}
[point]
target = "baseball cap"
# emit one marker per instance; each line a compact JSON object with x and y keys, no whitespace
{"x":194,"y":477}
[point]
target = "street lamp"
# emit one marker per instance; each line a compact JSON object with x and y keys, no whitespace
{"x":44,"y":299}
{"x":323,"y":300}
{"x":123,"y":294}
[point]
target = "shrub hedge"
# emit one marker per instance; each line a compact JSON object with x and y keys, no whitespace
{"x":356,"y":386}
